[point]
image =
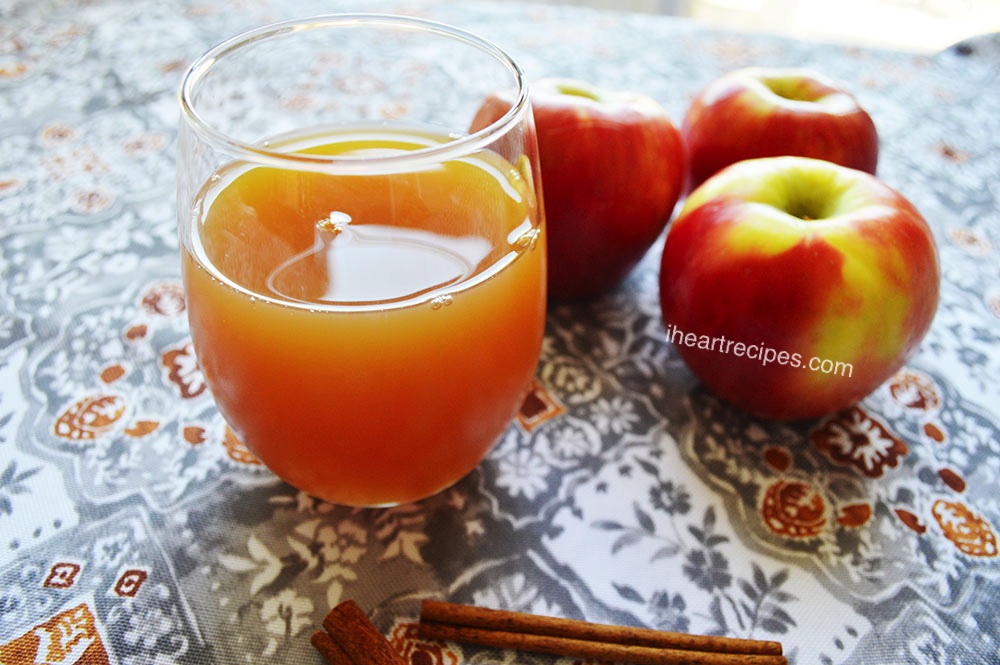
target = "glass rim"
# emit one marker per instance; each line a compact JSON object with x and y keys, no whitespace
{"x":458,"y":146}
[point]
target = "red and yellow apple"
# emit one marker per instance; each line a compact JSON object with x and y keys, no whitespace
{"x":613,"y":166}
{"x":768,"y":112}
{"x":793,"y":287}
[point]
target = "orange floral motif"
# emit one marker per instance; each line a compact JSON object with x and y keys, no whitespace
{"x":778,"y":458}
{"x":405,"y":640}
{"x":62,"y":575}
{"x":915,"y":390}
{"x":910,"y":520}
{"x":13,"y":71}
{"x":78,"y":161}
{"x":183,"y":370}
{"x":794,"y":509}
{"x":952,"y":153}
{"x":173,"y":66}
{"x":142,"y":428}
{"x":538,"y":407}
{"x":854,"y":438}
{"x":130,"y":582}
{"x":148,"y":143}
{"x":90,"y":417}
{"x":952,"y":479}
{"x":854,"y":515}
{"x":970,"y":240}
{"x":70,"y":637}
{"x":112,"y":373}
{"x":92,"y":200}
{"x":970,"y":533}
{"x":135,"y":332}
{"x":934,"y":432}
{"x":194,"y":434}
{"x":164,"y":299}
{"x":58,"y":133}
{"x":237,"y":451}
{"x":9,"y":185}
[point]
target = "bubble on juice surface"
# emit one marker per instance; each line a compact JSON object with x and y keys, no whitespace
{"x":334,"y":223}
{"x":527,"y":240}
{"x":441,"y":301}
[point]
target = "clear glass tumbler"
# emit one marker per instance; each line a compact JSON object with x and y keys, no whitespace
{"x":365,"y":276}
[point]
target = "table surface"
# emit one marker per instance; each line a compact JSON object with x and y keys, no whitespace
{"x":134,"y":529}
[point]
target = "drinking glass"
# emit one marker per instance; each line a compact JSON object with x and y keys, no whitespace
{"x":365,"y":275}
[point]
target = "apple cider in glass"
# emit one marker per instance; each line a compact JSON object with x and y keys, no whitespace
{"x":367,"y":300}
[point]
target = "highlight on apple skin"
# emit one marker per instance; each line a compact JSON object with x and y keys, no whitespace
{"x":816,"y":266}
{"x":769,"y":112}
{"x":613,"y":166}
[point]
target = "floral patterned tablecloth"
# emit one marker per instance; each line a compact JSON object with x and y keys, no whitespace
{"x":135,"y":529}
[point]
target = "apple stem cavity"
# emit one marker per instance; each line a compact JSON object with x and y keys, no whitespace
{"x":791,"y":90}
{"x":810,"y":206}
{"x":803,"y":211}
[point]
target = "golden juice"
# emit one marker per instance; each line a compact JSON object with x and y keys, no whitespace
{"x":368,"y":337}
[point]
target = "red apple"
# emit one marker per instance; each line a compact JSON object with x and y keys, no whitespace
{"x":612,"y":167}
{"x":767,"y":112}
{"x":793,"y":287}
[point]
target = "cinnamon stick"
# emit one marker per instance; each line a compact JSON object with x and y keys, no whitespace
{"x":329,"y":649}
{"x":581,"y":639}
{"x":357,"y":637}
{"x":602,"y":651}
